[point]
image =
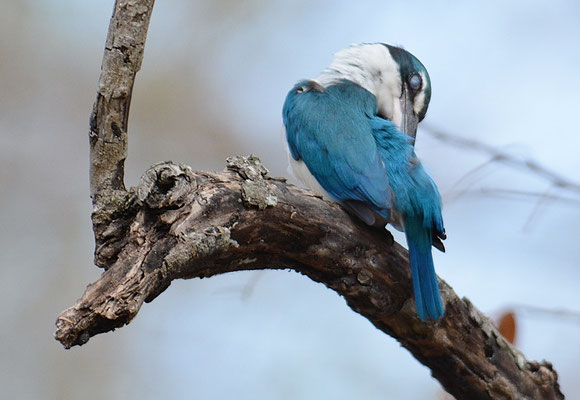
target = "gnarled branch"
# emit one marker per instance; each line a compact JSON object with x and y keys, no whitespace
{"x":178,"y":223}
{"x":184,"y":224}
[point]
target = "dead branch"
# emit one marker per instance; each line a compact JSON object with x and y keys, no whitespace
{"x":109,"y":119}
{"x":184,"y":224}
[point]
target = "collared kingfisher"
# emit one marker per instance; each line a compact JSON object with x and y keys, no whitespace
{"x":350,"y":134}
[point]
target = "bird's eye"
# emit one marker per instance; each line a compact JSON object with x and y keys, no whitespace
{"x":415,"y":81}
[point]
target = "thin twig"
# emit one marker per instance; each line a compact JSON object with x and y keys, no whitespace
{"x":500,"y":156}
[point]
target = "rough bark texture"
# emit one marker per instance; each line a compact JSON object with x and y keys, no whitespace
{"x":178,"y":223}
{"x":110,"y":116}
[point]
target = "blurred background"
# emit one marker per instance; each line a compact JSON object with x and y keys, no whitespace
{"x":212,"y":85}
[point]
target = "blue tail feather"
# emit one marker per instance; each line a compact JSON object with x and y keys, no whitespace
{"x":427,"y":296}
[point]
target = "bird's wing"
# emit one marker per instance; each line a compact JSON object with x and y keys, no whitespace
{"x":329,"y":129}
{"x":416,"y":194}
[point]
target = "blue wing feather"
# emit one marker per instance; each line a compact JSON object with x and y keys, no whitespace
{"x":415,"y":192}
{"x":330,"y":130}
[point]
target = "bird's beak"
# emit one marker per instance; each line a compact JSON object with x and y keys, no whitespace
{"x":409,"y":120}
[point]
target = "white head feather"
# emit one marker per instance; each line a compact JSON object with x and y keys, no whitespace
{"x":372,"y":67}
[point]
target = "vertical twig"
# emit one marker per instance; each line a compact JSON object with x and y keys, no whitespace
{"x":108,"y":124}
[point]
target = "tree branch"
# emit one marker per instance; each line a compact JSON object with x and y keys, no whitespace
{"x":110,"y":116}
{"x":178,"y":223}
{"x":185,"y":224}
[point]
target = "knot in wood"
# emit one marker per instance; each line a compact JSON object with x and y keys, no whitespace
{"x":255,"y":189}
{"x":364,"y":277}
{"x":166,"y":185}
{"x":248,"y":167}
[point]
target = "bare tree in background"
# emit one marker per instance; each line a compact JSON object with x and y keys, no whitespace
{"x":179,"y":223}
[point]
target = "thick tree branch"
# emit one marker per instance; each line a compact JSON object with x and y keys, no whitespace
{"x":183,"y":224}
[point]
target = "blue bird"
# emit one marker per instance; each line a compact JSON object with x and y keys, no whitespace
{"x":350,"y":134}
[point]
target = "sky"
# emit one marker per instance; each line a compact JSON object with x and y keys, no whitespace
{"x":212,"y":85}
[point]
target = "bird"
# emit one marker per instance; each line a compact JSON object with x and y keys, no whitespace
{"x":351,"y":133}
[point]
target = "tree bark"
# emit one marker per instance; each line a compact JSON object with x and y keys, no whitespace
{"x":109,"y":119}
{"x":178,"y":223}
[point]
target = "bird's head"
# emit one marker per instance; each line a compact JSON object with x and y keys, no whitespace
{"x":397,"y":78}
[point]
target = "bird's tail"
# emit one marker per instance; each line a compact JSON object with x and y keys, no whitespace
{"x":427,"y":296}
